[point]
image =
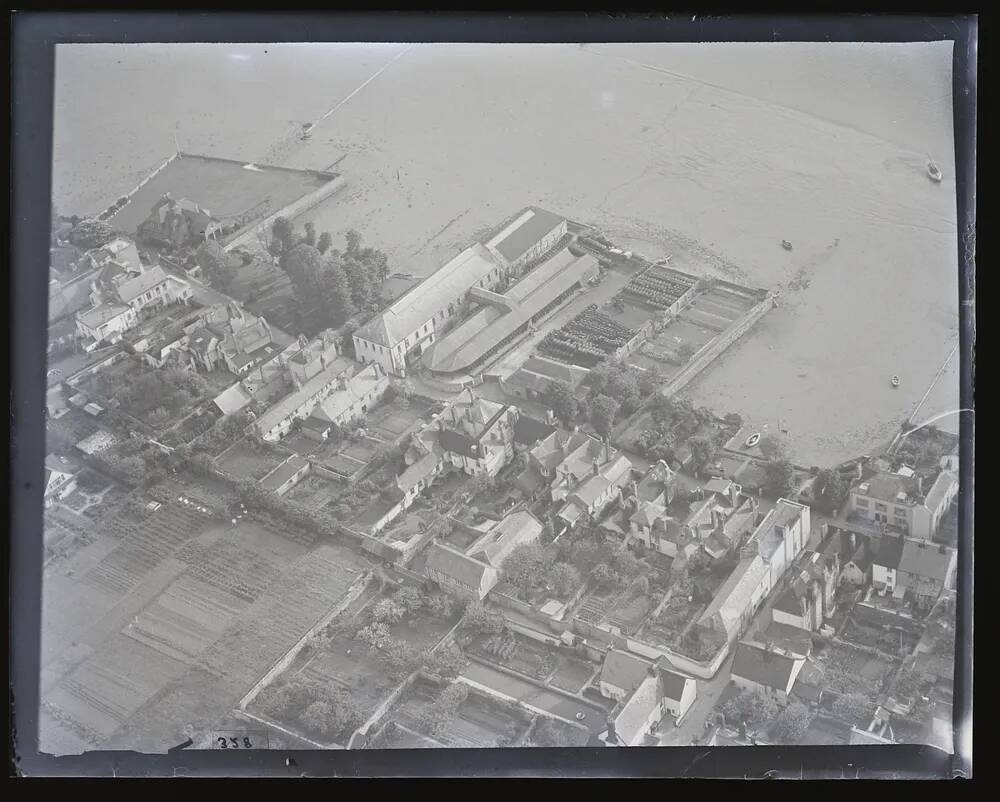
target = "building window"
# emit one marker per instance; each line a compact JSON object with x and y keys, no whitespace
{"x":900,"y":512}
{"x":861,"y":502}
{"x":880,"y":507}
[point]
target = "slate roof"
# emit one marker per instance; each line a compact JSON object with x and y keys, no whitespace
{"x":515,"y":529}
{"x":528,"y":430}
{"x":101,"y":314}
{"x":466,"y":345}
{"x":418,"y":471}
{"x":285,"y":471}
{"x":624,"y":670}
{"x":131,"y":289}
{"x":294,"y":400}
{"x":925,"y":560}
{"x":757,"y":665}
{"x":940,"y":489}
{"x":887,"y":487}
{"x":890,"y":551}
{"x":526,"y":231}
{"x":631,"y":715}
{"x":449,"y":562}
{"x":417,"y":306}
{"x":232,"y":399}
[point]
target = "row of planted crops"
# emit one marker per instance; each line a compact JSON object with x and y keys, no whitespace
{"x":587,"y":339}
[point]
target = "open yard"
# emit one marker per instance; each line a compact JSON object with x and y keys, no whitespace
{"x":391,"y":421}
{"x":480,"y":721}
{"x":849,"y":670}
{"x":882,"y":629}
{"x":314,"y":492}
{"x":242,"y":461}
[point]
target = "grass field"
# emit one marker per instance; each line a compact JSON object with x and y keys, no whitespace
{"x":244,"y":462}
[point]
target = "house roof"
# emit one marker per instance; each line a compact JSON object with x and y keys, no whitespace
{"x":232,"y":399}
{"x":624,"y":670}
{"x":890,"y":551}
{"x":765,"y":668}
{"x":720,"y":486}
{"x":673,"y":684}
{"x":418,"y":471}
{"x":887,"y":487}
{"x":789,"y":601}
{"x":528,"y":430}
{"x":647,"y":513}
{"x":456,"y":565}
{"x":524,"y":232}
{"x":940,"y":489}
{"x":515,"y":529}
{"x":414,"y":308}
{"x":553,"y":449}
{"x":99,"y":315}
{"x":925,"y":559}
{"x":132,"y":288}
{"x":285,"y":471}
{"x":785,"y":636}
{"x":466,"y":345}
{"x":630,"y":716}
{"x":355,"y":388}
{"x":732,"y":598}
{"x":287,"y":405}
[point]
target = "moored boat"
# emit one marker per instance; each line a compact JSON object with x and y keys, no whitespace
{"x":895,"y":381}
{"x":934,"y":172}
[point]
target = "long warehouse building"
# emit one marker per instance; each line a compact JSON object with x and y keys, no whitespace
{"x":503,"y":318}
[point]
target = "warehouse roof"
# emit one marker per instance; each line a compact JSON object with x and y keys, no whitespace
{"x":467,"y":344}
{"x":524,"y":232}
{"x":417,"y":306}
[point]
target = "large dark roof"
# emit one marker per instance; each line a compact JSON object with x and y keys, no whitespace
{"x":890,"y":550}
{"x":521,"y":239}
{"x":528,"y":430}
{"x":765,"y":668}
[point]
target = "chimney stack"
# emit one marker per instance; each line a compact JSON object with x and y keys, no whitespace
{"x":597,"y":468}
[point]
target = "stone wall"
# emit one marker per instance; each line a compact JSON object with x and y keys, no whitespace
{"x":249,"y":235}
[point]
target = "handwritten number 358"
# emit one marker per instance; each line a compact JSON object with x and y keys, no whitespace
{"x":223,"y":744}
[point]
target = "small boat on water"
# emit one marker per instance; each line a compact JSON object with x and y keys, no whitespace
{"x":934,"y":172}
{"x":753,"y":439}
{"x":895,"y":381}
{"x":786,"y":245}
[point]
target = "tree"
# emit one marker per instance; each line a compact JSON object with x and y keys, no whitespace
{"x":309,"y":237}
{"x":649,"y":381}
{"x":448,"y":661}
{"x":479,"y":619}
{"x":215,"y":263}
{"x":441,"y":605}
{"x":388,"y":611}
{"x":409,"y":598}
{"x":791,"y":724}
{"x":319,"y":717}
{"x":91,"y":233}
{"x":559,"y":397}
{"x":602,"y":414}
{"x":400,"y":659}
{"x":564,"y":578}
{"x":336,"y":294}
{"x":503,"y":645}
{"x":604,"y":575}
{"x":779,"y":476}
{"x":376,"y":635}
{"x":324,"y":242}
{"x":772,"y":447}
{"x":305,"y":267}
{"x":526,"y":566}
{"x":830,"y":491}
{"x":750,"y":708}
{"x":703,"y":451}
{"x":282,"y":236}
{"x":685,"y":352}
{"x":549,"y":733}
{"x":623,"y":386}
{"x":855,"y":708}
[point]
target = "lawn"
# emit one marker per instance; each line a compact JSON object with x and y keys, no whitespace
{"x":572,"y":674}
{"x":243,"y":461}
{"x":849,"y":670}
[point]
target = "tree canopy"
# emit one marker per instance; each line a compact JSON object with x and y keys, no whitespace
{"x":91,"y":233}
{"x":602,"y":414}
{"x":559,"y":397}
{"x":216,"y":264}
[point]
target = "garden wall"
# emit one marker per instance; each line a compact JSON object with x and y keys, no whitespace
{"x":715,"y":347}
{"x":303,"y":204}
